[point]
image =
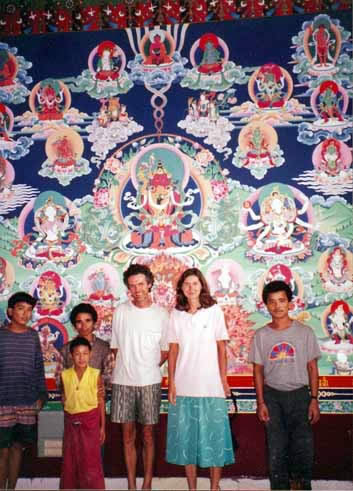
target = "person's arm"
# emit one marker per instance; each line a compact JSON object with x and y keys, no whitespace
{"x":39,"y":375}
{"x":314,"y":409}
{"x":172,"y":359}
{"x":261,"y":410}
{"x":101,"y":407}
{"x":222,"y":364}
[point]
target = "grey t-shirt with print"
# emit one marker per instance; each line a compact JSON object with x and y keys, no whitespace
{"x":284,"y":354}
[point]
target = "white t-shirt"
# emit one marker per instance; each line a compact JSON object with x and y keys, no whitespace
{"x":139,"y":334}
{"x":197,"y":370}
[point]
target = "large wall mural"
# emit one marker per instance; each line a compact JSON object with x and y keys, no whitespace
{"x":208,"y":145}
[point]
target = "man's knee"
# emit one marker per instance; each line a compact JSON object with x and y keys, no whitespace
{"x":147,"y":433}
{"x":129,"y":433}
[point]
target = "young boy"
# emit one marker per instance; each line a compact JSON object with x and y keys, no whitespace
{"x":84,"y":427}
{"x":22,"y":386}
{"x":84,"y":318}
{"x":284,"y":354}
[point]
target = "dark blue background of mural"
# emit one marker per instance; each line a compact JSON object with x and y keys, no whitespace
{"x":251,"y":43}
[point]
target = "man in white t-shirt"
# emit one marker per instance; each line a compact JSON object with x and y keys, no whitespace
{"x":139,"y":342}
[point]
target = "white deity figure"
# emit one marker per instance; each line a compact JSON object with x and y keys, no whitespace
{"x":277,"y":222}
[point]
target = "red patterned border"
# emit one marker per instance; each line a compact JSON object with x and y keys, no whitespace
{"x":40,"y":16}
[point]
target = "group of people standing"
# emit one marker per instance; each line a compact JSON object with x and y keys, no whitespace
{"x":144,"y":335}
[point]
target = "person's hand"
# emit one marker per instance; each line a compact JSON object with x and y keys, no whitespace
{"x":172,"y":394}
{"x":226,"y":388}
{"x":314,"y":411}
{"x":262,"y":413}
{"x":102,"y":435}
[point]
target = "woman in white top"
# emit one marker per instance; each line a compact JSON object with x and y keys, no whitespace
{"x":198,"y":425}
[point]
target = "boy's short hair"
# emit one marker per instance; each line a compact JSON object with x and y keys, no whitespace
{"x":21,"y":297}
{"x":276,"y":286}
{"x":83,"y":308}
{"x":79,"y":341}
{"x":134,"y":269}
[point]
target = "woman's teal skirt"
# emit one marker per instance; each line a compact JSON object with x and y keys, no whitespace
{"x":199,"y":432}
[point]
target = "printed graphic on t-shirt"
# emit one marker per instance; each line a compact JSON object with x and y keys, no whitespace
{"x":282,"y":353}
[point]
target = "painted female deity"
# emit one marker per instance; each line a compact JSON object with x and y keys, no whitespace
{"x":258,"y":149}
{"x":159,"y":220}
{"x":54,"y":232}
{"x":277,"y":228}
{"x":212,"y":59}
{"x":329,"y":103}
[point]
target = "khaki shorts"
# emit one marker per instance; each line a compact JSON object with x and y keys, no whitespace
{"x":131,"y":403}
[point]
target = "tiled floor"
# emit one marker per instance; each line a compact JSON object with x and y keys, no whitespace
{"x":176,"y":484}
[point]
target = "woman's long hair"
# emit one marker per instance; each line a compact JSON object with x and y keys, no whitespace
{"x":205,"y":298}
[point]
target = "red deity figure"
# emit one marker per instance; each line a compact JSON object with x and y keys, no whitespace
{"x":64,"y":151}
{"x":50,"y":97}
{"x":5,"y":123}
{"x":339,"y":322}
{"x":8,"y":68}
{"x":157,"y":50}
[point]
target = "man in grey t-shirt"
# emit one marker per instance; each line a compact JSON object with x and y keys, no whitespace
{"x":284,"y":354}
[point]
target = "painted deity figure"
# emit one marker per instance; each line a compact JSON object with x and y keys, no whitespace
{"x":4,"y":123}
{"x":258,"y":153}
{"x":212,"y":61}
{"x":160,"y":209}
{"x":8,"y":68}
{"x":107,"y":68}
{"x":321,"y":37}
{"x":5,"y":181}
{"x":330,"y":98}
{"x":270,"y":86}
{"x":331,"y":157}
{"x":340,"y":322}
{"x":337,"y":266}
{"x":51,"y":221}
{"x":50,"y":293}
{"x":50,"y":97}
{"x":65,"y":153}
{"x":276,"y":223}
{"x":4,"y":285}
{"x":47,"y":340}
{"x":157,"y":51}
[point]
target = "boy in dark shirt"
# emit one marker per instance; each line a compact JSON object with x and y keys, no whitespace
{"x":22,"y":386}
